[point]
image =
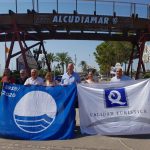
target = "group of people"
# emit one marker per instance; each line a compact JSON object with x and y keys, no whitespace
{"x":68,"y":78}
{"x":118,"y":77}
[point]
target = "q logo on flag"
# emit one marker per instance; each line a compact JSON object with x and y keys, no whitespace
{"x":35,"y":112}
{"x":115,"y":98}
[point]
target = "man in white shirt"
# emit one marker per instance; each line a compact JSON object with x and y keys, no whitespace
{"x":120,"y":76}
{"x":34,"y":79}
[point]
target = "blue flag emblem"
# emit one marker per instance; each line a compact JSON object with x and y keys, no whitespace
{"x":41,"y":112}
{"x":115,"y":98}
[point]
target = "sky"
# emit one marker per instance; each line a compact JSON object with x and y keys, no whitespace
{"x":83,"y":49}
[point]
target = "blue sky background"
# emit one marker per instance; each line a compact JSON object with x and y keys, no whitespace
{"x":83,"y":49}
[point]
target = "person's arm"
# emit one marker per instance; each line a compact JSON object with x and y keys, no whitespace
{"x":27,"y":82}
{"x":78,"y":78}
{"x":112,"y":79}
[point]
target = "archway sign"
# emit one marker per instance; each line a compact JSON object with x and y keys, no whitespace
{"x":37,"y":26}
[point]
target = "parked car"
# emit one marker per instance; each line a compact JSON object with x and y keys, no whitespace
{"x":58,"y":78}
{"x":103,"y":78}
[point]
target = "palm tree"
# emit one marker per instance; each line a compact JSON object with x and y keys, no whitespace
{"x":51,"y":58}
{"x":83,"y":65}
{"x":62,"y":58}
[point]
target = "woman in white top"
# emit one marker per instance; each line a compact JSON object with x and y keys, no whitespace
{"x":90,"y":78}
{"x":49,"y":80}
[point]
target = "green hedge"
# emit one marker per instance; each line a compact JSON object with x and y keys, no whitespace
{"x":147,"y":75}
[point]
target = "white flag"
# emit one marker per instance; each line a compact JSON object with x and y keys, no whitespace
{"x":120,"y":108}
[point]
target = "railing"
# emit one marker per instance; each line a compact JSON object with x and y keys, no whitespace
{"x":99,"y":7}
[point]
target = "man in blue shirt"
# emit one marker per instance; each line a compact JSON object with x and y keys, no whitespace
{"x":120,"y":76}
{"x":70,"y":76}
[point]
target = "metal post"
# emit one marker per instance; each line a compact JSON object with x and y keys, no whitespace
{"x":16,"y":6}
{"x":10,"y":51}
{"x":23,"y":51}
{"x":47,"y":63}
{"x":37,"y":5}
{"x":131,"y":9}
{"x":148,"y":11}
{"x":95,"y":5}
{"x":54,"y":71}
{"x":33,"y":4}
{"x":134,"y":8}
{"x":141,"y":45}
{"x":113,"y":7}
{"x":76,"y":5}
{"x":57,"y":6}
{"x":0,"y":70}
{"x":131,"y":58}
{"x":131,"y":68}
{"x":75,"y":61}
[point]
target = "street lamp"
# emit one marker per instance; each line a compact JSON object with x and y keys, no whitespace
{"x":54,"y":71}
{"x":75,"y":61}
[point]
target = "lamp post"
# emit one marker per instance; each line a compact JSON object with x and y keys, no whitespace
{"x":75,"y":61}
{"x":54,"y":71}
{"x":0,"y":70}
{"x":131,"y":67}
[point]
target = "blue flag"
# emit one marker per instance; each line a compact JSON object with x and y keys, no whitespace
{"x":37,"y":112}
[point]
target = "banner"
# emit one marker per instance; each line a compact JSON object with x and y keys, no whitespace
{"x":121,"y":108}
{"x":37,"y":112}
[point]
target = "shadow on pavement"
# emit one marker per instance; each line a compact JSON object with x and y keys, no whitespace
{"x":138,"y":136}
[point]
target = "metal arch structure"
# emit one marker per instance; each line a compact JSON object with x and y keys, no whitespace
{"x":37,"y":27}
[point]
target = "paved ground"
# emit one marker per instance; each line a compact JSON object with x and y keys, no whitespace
{"x":80,"y":142}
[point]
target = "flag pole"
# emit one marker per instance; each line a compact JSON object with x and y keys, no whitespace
{"x":5,"y":52}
